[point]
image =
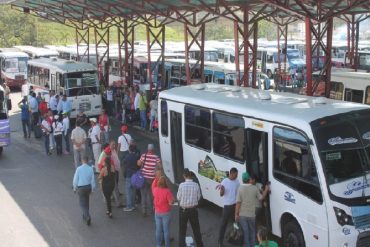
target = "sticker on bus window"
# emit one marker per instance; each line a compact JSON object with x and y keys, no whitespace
{"x":339,"y":140}
{"x":366,"y":136}
{"x":333,"y":156}
{"x":207,"y":168}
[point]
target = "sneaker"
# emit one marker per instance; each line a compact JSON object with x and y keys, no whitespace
{"x":128,"y":209}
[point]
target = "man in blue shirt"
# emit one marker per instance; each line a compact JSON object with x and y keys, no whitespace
{"x":84,"y":183}
{"x":25,"y":117}
{"x":64,"y":105}
{"x":34,"y":106}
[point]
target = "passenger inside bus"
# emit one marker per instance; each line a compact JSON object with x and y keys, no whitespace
{"x":291,"y":163}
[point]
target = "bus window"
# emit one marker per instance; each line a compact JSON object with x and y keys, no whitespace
{"x":228,"y":136}
{"x":367,"y":99}
{"x":336,"y":90}
{"x":164,"y":118}
{"x":353,"y":95}
{"x":198,"y":127}
{"x":293,"y":163}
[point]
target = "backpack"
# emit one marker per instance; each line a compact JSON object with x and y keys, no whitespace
{"x":137,"y":179}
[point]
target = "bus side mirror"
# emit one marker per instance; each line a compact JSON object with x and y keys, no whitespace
{"x":9,"y":104}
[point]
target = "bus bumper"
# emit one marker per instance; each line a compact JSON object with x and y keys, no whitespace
{"x":348,"y":236}
{"x":15,"y":83}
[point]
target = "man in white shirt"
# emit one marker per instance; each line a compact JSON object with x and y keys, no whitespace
{"x":78,"y":138}
{"x":228,"y":190}
{"x":123,"y":143}
{"x":94,"y":134}
{"x":46,"y":129}
{"x":53,"y":102}
{"x":110,"y":102}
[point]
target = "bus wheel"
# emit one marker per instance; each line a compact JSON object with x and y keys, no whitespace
{"x":269,"y":74}
{"x":292,"y":235}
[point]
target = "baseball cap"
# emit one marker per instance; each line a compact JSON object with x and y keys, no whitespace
{"x":245,"y":177}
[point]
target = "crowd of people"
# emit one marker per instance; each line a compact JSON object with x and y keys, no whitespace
{"x":99,"y":155}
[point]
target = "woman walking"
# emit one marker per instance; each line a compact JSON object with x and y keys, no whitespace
{"x":107,"y":178}
{"x":162,"y":198}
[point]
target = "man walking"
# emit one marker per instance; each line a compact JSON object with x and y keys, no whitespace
{"x":188,"y":196}
{"x":123,"y":143}
{"x":84,"y":183}
{"x":25,"y":118}
{"x":148,"y":163}
{"x":129,"y":168}
{"x":46,"y":129}
{"x":78,"y":138}
{"x":94,"y":135}
{"x":228,"y":190}
{"x":66,"y":131}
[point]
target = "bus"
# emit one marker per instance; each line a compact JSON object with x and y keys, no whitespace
{"x":37,"y":52}
{"x":77,"y":80}
{"x":313,"y":151}
{"x":13,"y":67}
{"x":4,"y":120}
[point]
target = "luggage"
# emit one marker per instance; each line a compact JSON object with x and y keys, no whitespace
{"x":38,"y":132}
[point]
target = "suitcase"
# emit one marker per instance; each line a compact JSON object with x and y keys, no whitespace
{"x":38,"y":132}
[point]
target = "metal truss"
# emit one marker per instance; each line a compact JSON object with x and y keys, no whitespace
{"x":126,"y":38}
{"x":83,"y":40}
{"x":101,"y":33}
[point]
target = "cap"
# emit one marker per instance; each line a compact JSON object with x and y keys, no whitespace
{"x":124,"y":128}
{"x":92,"y":119}
{"x":150,"y":146}
{"x":56,"y":117}
{"x":245,"y":177}
{"x":108,"y":150}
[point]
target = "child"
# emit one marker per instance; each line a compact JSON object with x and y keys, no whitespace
{"x":262,"y":238}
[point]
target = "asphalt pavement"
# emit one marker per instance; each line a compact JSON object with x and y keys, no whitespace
{"x":38,"y":207}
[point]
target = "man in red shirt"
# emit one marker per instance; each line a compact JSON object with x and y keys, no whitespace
{"x":43,"y":107}
{"x":148,"y":162}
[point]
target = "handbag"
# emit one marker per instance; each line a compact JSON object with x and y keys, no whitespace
{"x":137,"y":179}
{"x":235,"y":235}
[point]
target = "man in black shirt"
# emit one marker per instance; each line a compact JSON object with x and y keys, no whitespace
{"x":129,"y":168}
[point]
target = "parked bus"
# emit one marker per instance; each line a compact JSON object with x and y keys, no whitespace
{"x":77,"y":80}
{"x":37,"y":52}
{"x":13,"y":67}
{"x":313,"y":151}
{"x":4,"y":120}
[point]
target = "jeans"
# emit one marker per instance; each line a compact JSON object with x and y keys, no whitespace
{"x":77,"y":156}
{"x":146,"y":196}
{"x":143,"y":119}
{"x":123,"y":116}
{"x":26,"y":128}
{"x":162,"y":228}
{"x":66,"y":140}
{"x":104,"y":137}
{"x":130,"y":193}
{"x":107,"y":191}
{"x":35,"y":119}
{"x":122,"y":155}
{"x":228,"y":214}
{"x":59,"y":141}
{"x":46,"y":142}
{"x":248,"y":225}
{"x":96,"y":148}
{"x":84,"y":196}
{"x":189,"y":214}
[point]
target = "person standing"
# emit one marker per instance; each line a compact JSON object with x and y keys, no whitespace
{"x":126,"y":105}
{"x":163,"y":199}
{"x":262,"y":237}
{"x":53,"y":102}
{"x":110,"y":101}
{"x":43,"y":107}
{"x":64,"y":105}
{"x":78,"y":138}
{"x":83,"y":120}
{"x":123,"y":142}
{"x":148,"y":163}
{"x":248,"y":198}
{"x":94,"y":135}
{"x":142,"y":107}
{"x":188,"y":196}
{"x":58,"y":134}
{"x":46,"y":129}
{"x":84,"y":184}
{"x":228,"y":190}
{"x":107,"y":180}
{"x":153,"y":112}
{"x":34,"y":107}
{"x":129,"y":168}
{"x":104,"y":126}
{"x":66,"y":132}
{"x":25,"y":117}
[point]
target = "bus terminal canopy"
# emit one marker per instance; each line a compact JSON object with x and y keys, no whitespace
{"x":90,"y":11}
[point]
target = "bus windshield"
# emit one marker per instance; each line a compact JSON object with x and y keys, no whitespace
{"x":344,"y":145}
{"x":15,"y":64}
{"x":81,"y":83}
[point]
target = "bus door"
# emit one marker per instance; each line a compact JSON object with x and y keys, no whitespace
{"x":171,"y":141}
{"x":257,"y":161}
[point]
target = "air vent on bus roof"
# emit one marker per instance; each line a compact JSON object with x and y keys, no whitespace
{"x":319,"y":100}
{"x":198,"y":86}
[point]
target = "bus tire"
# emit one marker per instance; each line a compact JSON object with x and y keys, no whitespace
{"x":292,"y":235}
{"x":269,"y":74}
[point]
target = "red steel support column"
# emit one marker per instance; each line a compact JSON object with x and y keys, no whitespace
{"x":149,"y":65}
{"x":285,"y":45}
{"x":102,"y":42}
{"x":329,"y":43}
{"x":83,"y":37}
{"x":246,"y":47}
{"x":125,"y":42}
{"x":308,"y":26}
{"x":187,"y":69}
{"x":254,"y":54}
{"x":353,"y":35}
{"x":236,"y":45}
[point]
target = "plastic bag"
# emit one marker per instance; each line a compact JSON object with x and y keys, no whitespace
{"x":235,"y":235}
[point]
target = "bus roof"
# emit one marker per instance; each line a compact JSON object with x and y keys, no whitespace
{"x":11,"y":54}
{"x":281,"y":107}
{"x":37,"y":51}
{"x":61,"y":65}
{"x":351,"y":74}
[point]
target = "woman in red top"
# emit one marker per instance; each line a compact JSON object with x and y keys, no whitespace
{"x":163,"y":198}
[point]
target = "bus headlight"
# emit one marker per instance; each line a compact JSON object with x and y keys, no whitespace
{"x":4,"y":135}
{"x":342,"y":217}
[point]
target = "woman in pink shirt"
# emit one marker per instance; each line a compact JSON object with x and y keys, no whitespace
{"x":163,"y":198}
